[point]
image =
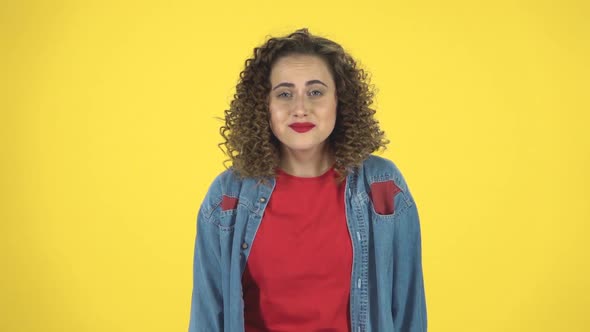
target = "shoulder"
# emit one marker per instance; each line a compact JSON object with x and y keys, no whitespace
{"x":225,"y":181}
{"x":379,"y":164}
{"x":376,"y":169}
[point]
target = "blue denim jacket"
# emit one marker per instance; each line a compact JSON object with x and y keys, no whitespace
{"x":387,"y":286}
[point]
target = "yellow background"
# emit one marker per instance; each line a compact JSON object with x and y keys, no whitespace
{"x":109,"y":142}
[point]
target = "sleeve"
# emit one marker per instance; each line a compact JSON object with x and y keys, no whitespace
{"x":409,"y":303}
{"x":206,"y":312}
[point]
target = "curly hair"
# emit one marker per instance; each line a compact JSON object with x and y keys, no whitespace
{"x":249,"y":142}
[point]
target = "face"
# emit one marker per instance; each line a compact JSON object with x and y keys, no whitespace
{"x":302,"y":102}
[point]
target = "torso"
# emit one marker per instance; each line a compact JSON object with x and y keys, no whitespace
{"x":297,"y":277}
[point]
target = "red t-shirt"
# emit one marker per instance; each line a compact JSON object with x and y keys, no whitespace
{"x":297,"y":276}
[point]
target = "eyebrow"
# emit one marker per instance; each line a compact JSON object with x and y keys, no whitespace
{"x":290,"y":85}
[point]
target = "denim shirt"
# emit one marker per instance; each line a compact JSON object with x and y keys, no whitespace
{"x":387,"y":286}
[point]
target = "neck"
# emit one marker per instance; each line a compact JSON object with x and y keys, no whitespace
{"x":307,"y":163}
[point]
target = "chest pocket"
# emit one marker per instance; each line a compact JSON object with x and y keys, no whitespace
{"x":387,"y":200}
{"x":231,"y":209}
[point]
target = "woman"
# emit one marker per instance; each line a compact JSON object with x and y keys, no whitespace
{"x":306,"y":231}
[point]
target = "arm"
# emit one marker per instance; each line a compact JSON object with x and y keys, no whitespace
{"x":206,"y":313}
{"x":409,"y":304}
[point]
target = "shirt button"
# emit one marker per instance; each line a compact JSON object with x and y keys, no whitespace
{"x":244,"y":245}
{"x":262,"y":199}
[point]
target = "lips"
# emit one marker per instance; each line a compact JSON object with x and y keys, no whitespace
{"x":302,"y":127}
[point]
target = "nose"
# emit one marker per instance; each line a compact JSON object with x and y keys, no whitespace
{"x":300,"y":108}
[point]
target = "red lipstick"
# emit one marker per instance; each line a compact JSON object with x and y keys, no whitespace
{"x":302,"y":127}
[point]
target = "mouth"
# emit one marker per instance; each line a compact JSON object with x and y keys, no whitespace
{"x":302,"y":127}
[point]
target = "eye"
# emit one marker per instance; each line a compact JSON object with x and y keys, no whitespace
{"x":316,"y":93}
{"x":284,"y":94}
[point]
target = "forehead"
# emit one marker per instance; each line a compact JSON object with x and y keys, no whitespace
{"x":300,"y":67}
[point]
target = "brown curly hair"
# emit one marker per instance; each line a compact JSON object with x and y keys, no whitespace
{"x":249,"y":142}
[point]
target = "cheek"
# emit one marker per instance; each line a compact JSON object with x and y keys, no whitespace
{"x":275,"y":121}
{"x":330,"y":114}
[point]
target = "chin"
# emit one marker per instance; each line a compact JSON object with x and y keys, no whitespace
{"x":301,"y":146}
